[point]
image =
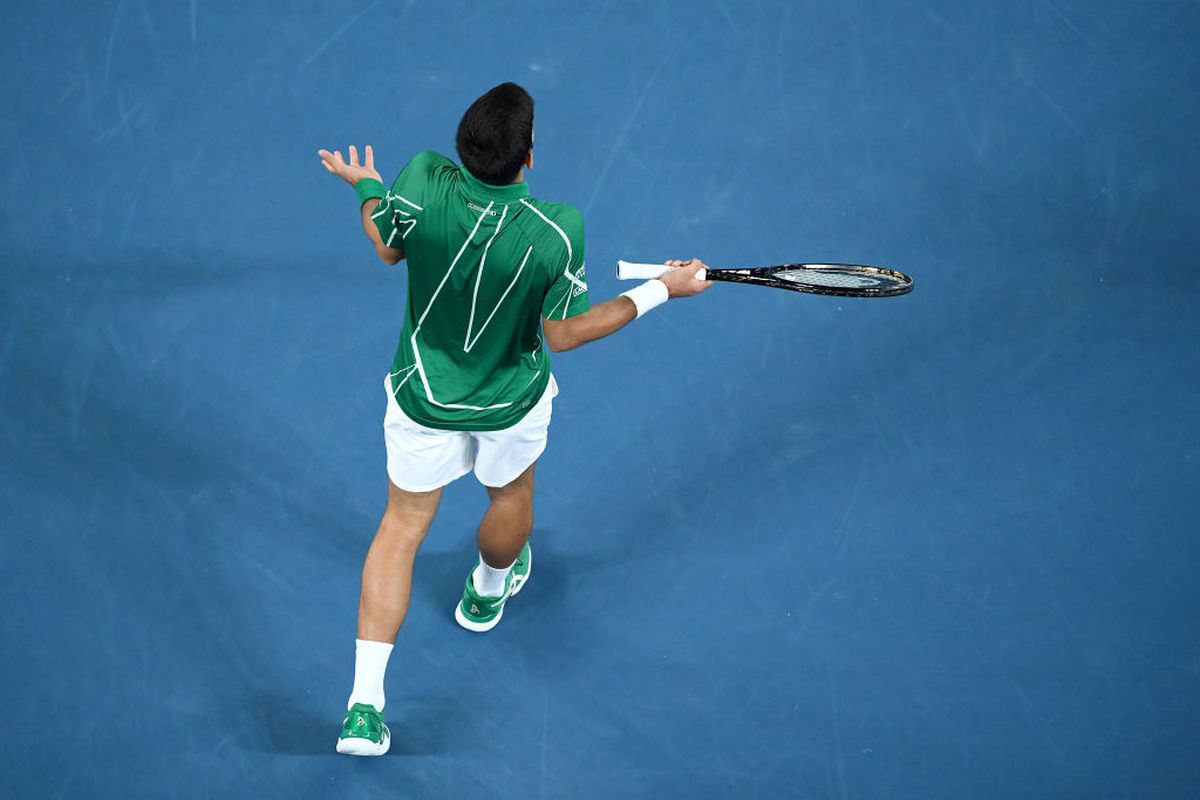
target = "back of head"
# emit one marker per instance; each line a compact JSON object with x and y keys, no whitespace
{"x":496,"y":133}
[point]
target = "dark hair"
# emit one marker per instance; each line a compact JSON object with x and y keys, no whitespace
{"x":496,"y":133}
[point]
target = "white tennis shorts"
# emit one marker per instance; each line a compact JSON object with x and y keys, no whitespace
{"x":421,"y":459}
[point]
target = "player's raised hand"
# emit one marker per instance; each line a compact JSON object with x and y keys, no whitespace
{"x":351,"y":173}
{"x":682,"y":281}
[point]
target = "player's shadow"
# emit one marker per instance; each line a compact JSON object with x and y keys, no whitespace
{"x":420,"y":726}
{"x":294,"y":728}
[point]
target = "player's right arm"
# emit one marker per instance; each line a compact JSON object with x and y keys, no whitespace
{"x":612,"y":315}
{"x":389,"y":255}
{"x":353,"y":174}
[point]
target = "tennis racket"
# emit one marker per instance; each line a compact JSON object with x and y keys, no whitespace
{"x":841,"y":280}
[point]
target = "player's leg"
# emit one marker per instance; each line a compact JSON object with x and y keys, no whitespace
{"x":420,"y":461}
{"x":504,"y":538}
{"x":505,"y":464}
{"x":506,"y":526}
{"x":387,"y":573}
{"x":505,"y":558}
{"x":382,"y":606}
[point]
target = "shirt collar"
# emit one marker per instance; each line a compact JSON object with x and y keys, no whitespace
{"x":512,"y":191}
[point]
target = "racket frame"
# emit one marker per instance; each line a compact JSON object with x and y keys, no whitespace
{"x":765,"y":276}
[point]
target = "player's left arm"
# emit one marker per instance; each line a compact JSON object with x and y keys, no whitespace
{"x":353,"y":173}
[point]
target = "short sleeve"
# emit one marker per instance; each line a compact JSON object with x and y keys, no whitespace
{"x":568,"y":292}
{"x":400,"y":208}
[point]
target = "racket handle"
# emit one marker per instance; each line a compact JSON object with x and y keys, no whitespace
{"x":632,"y":271}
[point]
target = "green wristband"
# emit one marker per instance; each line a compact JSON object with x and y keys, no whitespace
{"x":369,"y":189}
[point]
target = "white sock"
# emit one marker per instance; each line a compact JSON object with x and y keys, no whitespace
{"x":370,"y":662}
{"x":489,"y":581}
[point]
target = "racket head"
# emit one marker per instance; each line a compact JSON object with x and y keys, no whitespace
{"x":838,"y":280}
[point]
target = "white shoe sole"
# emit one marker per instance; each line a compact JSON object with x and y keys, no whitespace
{"x":365,"y":747}
{"x":477,"y":627}
{"x":483,"y":627}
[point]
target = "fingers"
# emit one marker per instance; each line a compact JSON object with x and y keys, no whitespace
{"x":334,"y":161}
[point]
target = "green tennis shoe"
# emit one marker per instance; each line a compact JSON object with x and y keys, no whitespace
{"x":363,"y":732}
{"x":478,"y":613}
{"x":520,"y":570}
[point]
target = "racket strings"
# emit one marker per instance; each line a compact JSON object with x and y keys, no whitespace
{"x":835,"y":278}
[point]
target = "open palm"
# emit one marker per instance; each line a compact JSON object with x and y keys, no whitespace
{"x":351,"y":173}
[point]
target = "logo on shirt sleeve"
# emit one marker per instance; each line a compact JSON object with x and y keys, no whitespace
{"x":580,"y":281}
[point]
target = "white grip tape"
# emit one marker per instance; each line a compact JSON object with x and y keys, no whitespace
{"x":632,"y":271}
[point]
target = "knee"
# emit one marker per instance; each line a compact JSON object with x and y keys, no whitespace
{"x":520,"y":489}
{"x":399,"y":535}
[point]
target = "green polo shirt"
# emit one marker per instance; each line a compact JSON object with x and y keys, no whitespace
{"x":485,"y":264}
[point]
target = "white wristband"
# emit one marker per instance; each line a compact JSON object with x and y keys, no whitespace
{"x":648,"y":295}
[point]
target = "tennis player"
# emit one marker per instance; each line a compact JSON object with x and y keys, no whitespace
{"x":494,"y":277}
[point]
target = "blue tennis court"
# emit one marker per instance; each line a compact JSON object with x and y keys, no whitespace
{"x":936,"y":546}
